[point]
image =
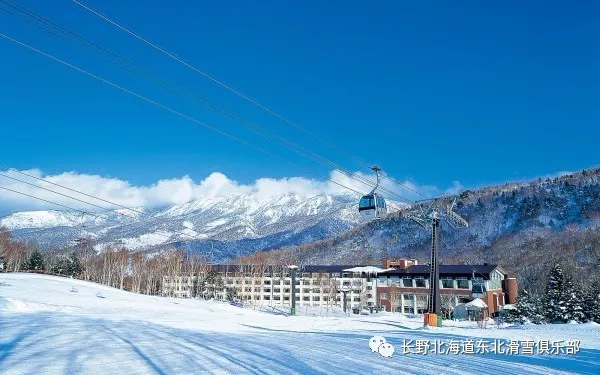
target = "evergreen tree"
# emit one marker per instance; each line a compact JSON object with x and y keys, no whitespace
{"x":527,"y":309}
{"x":556,"y":305}
{"x":73,"y":268}
{"x":36,"y":261}
{"x":574,"y":303}
{"x":59,"y":266}
{"x":520,"y":313}
{"x":591,"y":306}
{"x":214,"y":283}
{"x":537,"y":309}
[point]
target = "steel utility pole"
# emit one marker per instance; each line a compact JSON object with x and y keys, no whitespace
{"x":434,"y":303}
{"x":293,"y":294}
{"x":429,"y":218}
{"x":345,"y":292}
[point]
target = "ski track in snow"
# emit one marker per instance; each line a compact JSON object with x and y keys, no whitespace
{"x":47,"y":329}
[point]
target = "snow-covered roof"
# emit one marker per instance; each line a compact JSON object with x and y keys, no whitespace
{"x":365,"y":269}
{"x":509,"y":307}
{"x":477,"y":302}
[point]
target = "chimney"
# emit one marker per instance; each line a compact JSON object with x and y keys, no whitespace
{"x":511,"y":289}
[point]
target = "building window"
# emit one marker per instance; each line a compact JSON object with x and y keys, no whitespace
{"x":496,"y":280}
{"x":462,"y":283}
{"x":383,"y":295}
{"x":335,"y":274}
{"x":447,"y":283}
{"x":420,"y":282}
{"x":316,"y":298}
{"x":306,"y":299}
{"x":406,"y":282}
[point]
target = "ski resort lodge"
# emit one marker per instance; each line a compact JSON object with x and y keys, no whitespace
{"x":404,"y":286}
{"x":315,"y":285}
{"x":401,"y":285}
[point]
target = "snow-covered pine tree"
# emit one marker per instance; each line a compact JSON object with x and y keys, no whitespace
{"x":521,"y":312}
{"x":73,"y":267}
{"x":574,"y":302}
{"x":527,"y":309}
{"x":556,"y":308}
{"x":537,"y":308}
{"x":591,"y":306}
{"x":36,"y":261}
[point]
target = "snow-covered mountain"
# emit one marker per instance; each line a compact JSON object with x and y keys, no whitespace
{"x":525,"y":227}
{"x":226,"y":225}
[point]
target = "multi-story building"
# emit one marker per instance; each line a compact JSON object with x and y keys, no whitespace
{"x":401,"y":286}
{"x":404,"y":284}
{"x":271,"y":285}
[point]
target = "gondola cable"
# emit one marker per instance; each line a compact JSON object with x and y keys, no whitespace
{"x":212,"y":106}
{"x":356,"y":160}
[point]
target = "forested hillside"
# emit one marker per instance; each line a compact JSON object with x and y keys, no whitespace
{"x":525,"y":227}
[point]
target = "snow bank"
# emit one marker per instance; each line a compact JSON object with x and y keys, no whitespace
{"x":55,"y":325}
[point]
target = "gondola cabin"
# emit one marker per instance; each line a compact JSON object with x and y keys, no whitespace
{"x":372,"y":206}
{"x":478,"y":290}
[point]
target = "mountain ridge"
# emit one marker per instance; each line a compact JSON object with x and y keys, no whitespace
{"x":221,"y":219}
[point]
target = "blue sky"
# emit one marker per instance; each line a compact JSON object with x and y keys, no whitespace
{"x":435,"y":92}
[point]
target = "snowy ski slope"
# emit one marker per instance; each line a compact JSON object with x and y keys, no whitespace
{"x":48,"y":328}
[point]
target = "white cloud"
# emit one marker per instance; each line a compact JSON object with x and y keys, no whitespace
{"x":177,"y":190}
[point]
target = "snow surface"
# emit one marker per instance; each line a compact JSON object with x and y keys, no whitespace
{"x":226,"y":219}
{"x":46,"y":327}
{"x":477,"y":302}
{"x":365,"y":269}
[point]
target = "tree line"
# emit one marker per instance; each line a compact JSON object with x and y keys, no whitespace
{"x":139,"y":272}
{"x":562,"y":301}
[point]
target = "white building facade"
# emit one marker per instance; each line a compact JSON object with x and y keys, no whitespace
{"x":316,"y":286}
